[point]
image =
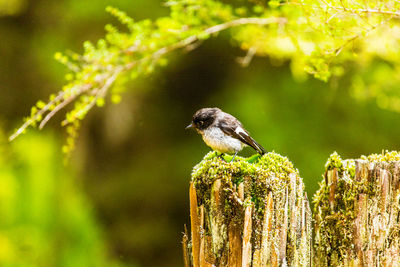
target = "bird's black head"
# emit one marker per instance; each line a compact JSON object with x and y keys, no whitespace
{"x":204,"y":118}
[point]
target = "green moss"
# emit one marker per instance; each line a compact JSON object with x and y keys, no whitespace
{"x":333,"y":224}
{"x":334,"y":219}
{"x":334,"y":161}
{"x":264,"y":173}
{"x":386,"y":156}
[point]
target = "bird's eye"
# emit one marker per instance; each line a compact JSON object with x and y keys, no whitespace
{"x":201,"y":123}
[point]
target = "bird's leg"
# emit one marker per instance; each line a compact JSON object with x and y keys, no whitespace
{"x":233,"y":156}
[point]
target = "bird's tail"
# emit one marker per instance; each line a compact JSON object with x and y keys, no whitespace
{"x":257,"y":147}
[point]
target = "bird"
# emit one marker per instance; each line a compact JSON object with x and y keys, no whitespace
{"x":222,"y":131}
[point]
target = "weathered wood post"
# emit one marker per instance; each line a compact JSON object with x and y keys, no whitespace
{"x":251,"y":212}
{"x":357,"y":212}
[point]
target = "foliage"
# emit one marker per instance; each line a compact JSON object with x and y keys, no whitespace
{"x":46,"y":221}
{"x":323,"y":38}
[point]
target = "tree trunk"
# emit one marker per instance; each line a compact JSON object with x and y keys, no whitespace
{"x":250,"y":212}
{"x":357,"y":212}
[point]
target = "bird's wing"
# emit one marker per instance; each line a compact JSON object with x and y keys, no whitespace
{"x":236,"y":130}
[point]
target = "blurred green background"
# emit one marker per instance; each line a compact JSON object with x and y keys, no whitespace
{"x":123,"y":198}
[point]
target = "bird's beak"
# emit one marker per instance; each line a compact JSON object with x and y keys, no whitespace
{"x":190,"y":126}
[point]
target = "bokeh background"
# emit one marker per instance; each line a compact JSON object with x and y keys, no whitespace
{"x":122,"y":200}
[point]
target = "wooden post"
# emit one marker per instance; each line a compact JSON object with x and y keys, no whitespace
{"x":357,"y":212}
{"x":195,"y":226}
{"x":248,"y":214}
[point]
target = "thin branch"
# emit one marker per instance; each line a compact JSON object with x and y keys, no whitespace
{"x":375,"y":11}
{"x":63,"y":104}
{"x":101,"y":93}
{"x":348,"y":10}
{"x":212,"y":30}
{"x":348,"y":41}
{"x":38,"y":114}
{"x":219,"y":28}
{"x":362,"y":10}
{"x":244,"y":21}
{"x":339,"y":49}
{"x":245,"y":61}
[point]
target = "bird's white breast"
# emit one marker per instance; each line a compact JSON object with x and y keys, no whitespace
{"x":215,"y":138}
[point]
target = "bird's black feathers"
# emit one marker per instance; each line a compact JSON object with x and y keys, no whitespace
{"x":230,"y":125}
{"x":204,"y":117}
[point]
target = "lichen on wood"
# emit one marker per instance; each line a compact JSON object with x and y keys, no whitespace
{"x":254,"y":212}
{"x":357,"y":212}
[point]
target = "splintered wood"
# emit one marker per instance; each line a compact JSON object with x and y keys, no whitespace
{"x":263,"y":220}
{"x":357,"y":215}
{"x":195,"y":226}
{"x":245,"y":214}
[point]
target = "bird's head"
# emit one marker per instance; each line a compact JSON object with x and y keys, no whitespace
{"x":203,"y":118}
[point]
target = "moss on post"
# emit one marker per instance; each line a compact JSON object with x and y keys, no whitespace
{"x":357,"y":212}
{"x":253,"y":212}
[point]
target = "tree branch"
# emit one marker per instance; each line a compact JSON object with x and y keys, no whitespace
{"x":39,"y":114}
{"x":61,"y":103}
{"x":211,"y":30}
{"x":101,"y":93}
